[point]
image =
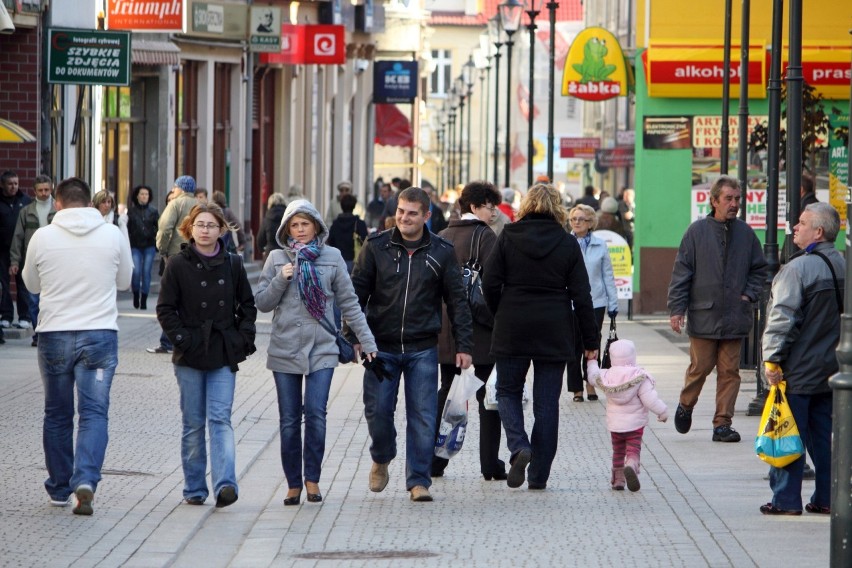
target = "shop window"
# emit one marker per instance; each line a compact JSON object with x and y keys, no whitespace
{"x":186,"y":119}
{"x":222,"y":128}
{"x":441,"y":79}
{"x":118,"y":128}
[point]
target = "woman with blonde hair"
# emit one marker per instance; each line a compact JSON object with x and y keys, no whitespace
{"x":530,"y":282}
{"x":206,"y":309}
{"x":104,"y":202}
{"x":604,"y":297}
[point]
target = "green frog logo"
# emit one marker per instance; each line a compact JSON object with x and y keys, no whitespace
{"x":594,"y":68}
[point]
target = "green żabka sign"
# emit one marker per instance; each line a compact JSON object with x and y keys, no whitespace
{"x":84,"y":57}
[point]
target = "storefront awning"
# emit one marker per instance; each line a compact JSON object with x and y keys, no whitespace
{"x":392,"y":127}
{"x":148,"y":52}
{"x":11,"y":132}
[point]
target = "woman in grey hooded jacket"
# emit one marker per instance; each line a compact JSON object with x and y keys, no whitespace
{"x":301,"y":283}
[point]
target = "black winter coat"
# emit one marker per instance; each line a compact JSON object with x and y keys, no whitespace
{"x":266,"y":236}
{"x":340,"y":234}
{"x":460,"y":233}
{"x":142,"y":226}
{"x":534,"y":274}
{"x":401,"y":293}
{"x":208,"y":318}
{"x":10,"y":210}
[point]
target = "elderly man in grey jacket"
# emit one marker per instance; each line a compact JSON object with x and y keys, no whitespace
{"x":799,"y":343}
{"x":717,"y":278}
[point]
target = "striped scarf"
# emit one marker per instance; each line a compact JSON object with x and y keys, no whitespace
{"x":309,"y":284}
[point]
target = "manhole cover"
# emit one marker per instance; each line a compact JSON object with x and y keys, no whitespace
{"x":365,"y":554}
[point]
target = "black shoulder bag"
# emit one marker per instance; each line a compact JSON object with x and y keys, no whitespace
{"x":472,"y":281}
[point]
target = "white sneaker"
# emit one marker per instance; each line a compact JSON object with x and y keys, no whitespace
{"x":5,"y":324}
{"x":24,"y":324}
{"x":59,"y":502}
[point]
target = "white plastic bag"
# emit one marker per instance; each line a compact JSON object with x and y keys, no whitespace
{"x":454,"y":418}
{"x":490,"y":401}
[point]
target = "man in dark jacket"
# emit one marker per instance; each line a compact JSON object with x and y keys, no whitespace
{"x":401,"y":277}
{"x":344,"y":230}
{"x":799,"y":343}
{"x":12,"y":200}
{"x":717,"y":278}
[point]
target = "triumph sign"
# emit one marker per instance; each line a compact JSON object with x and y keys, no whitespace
{"x":146,"y":15}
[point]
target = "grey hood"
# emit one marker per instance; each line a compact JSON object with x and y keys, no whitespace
{"x":300,"y":206}
{"x":79,"y":220}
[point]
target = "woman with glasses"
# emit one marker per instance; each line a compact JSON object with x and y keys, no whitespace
{"x":604,"y":298}
{"x":532,"y":278}
{"x":104,"y":202}
{"x":472,"y":238}
{"x":300,"y":284}
{"x":206,"y":308}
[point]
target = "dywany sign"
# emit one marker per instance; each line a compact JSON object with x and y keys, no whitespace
{"x":146,"y":15}
{"x":594,"y":67}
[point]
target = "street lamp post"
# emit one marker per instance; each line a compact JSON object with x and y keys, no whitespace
{"x":551,"y":8}
{"x":510,"y":16}
{"x":532,"y":13}
{"x":494,"y":34}
{"x":451,"y":170}
{"x":462,"y":97}
{"x":486,"y":47}
{"x":483,"y":116}
{"x":468,"y":77}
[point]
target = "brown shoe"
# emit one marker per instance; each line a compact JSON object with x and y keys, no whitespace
{"x":420,"y":493}
{"x":378,"y":477}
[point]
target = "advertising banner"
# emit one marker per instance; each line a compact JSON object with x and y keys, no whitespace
{"x":146,"y":15}
{"x":83,"y":57}
{"x":838,"y":166}
{"x":622,"y":263}
{"x":666,"y":132}
{"x":618,"y":157}
{"x":570,"y":147}
{"x":707,"y":130}
{"x":394,"y":81}
{"x":318,"y":44}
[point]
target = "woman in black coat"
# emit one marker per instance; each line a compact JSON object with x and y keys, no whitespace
{"x":477,"y":203}
{"x":142,"y":220}
{"x":531,"y":280}
{"x":206,"y":308}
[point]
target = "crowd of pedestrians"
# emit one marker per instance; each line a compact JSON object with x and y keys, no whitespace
{"x":404,"y":298}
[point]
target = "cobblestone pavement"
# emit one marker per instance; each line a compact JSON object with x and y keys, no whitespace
{"x":698,"y":505}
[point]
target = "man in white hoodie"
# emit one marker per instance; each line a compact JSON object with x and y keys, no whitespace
{"x":77,"y":263}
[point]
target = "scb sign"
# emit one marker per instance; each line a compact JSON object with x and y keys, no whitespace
{"x":395,"y":82}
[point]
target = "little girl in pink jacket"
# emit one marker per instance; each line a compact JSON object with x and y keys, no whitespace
{"x":630,"y":394}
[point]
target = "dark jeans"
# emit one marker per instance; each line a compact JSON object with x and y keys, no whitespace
{"x":7,"y":307}
{"x":547,"y":386}
{"x":813,"y":417}
{"x":577,"y":370}
{"x":489,"y":423}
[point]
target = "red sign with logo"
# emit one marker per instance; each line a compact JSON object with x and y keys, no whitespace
{"x":317,"y":44}
{"x":146,"y":15}
{"x":578,"y":147}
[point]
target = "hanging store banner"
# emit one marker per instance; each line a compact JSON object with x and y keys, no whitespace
{"x":570,"y":147}
{"x":825,"y":66}
{"x":394,"y":81}
{"x":82,"y":57}
{"x":666,"y":132}
{"x":694,"y":69}
{"x":311,"y":44}
{"x":146,"y":15}
{"x":595,"y":69}
{"x":618,"y":157}
{"x":218,"y":21}
{"x":265,"y":29}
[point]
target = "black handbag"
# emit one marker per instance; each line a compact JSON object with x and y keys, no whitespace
{"x":346,"y":353}
{"x":613,"y":336}
{"x":472,"y":281}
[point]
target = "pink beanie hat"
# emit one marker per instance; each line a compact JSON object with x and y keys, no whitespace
{"x":622,"y":353}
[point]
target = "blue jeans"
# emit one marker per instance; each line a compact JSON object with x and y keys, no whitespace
{"x":813,"y":417}
{"x":547,"y":386}
{"x":290,"y":409}
{"x":34,"y":310}
{"x":88,"y":360}
{"x":206,"y":396}
{"x":421,"y":406}
{"x":143,"y":260}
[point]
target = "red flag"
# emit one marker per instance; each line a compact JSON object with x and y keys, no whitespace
{"x":517,"y":160}
{"x":561,"y":51}
{"x":524,"y":102}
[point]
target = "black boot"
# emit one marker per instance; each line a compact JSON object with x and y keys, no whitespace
{"x":136,"y":300}
{"x":144,"y":303}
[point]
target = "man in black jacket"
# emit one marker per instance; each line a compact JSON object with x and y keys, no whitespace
{"x":401,"y":278}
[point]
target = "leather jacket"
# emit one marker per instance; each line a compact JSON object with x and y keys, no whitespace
{"x":401,"y":293}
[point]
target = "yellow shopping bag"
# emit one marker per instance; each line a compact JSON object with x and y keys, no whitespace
{"x":778,"y":442}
